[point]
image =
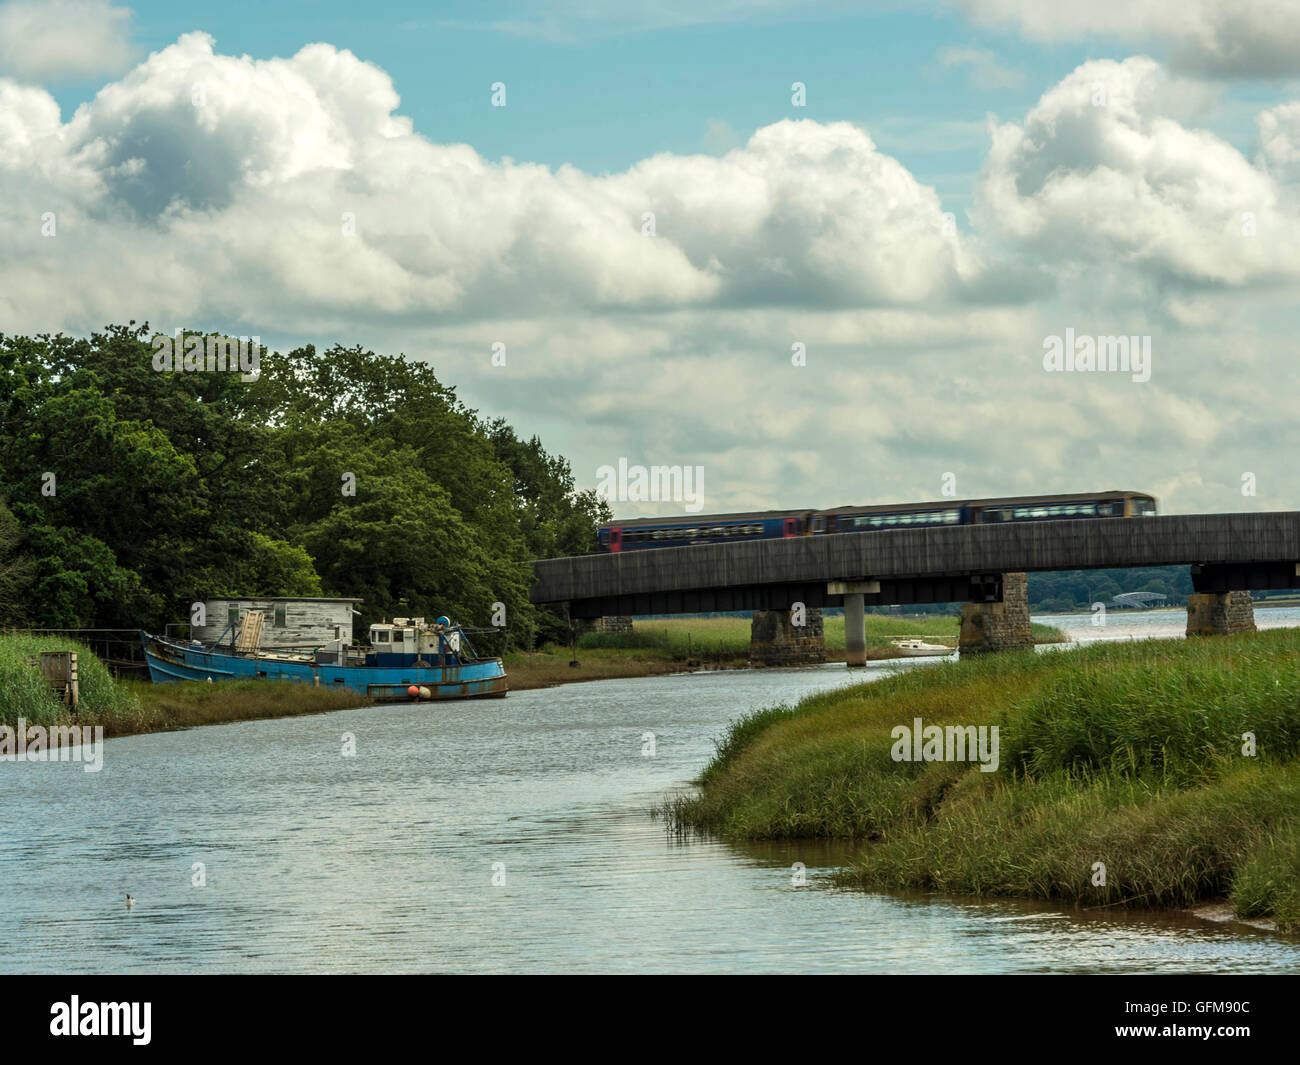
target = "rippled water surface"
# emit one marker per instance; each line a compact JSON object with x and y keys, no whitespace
{"x":385,"y":862}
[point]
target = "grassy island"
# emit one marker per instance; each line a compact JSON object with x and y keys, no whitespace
{"x":1171,"y":766}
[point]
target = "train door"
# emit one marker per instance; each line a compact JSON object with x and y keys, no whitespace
{"x":616,"y":539}
{"x":788,"y":527}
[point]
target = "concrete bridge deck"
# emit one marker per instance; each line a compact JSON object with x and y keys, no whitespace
{"x":955,"y":564}
{"x":982,"y":566}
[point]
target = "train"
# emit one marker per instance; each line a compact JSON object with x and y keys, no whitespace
{"x":691,"y":529}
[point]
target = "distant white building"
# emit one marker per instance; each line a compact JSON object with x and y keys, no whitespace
{"x":290,"y":621}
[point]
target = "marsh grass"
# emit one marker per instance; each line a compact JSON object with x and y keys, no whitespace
{"x":1127,"y":754}
{"x":126,"y":708}
{"x":728,"y":637}
{"x":1268,"y":884}
{"x":23,"y":692}
{"x":191,"y":703}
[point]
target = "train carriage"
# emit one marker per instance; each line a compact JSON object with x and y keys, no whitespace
{"x":688,"y":530}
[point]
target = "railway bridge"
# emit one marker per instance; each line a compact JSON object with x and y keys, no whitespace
{"x":981,"y":566}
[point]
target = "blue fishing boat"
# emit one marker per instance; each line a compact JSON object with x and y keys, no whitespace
{"x":406,"y":661}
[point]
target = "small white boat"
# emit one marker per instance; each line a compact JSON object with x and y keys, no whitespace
{"x":920,"y":649}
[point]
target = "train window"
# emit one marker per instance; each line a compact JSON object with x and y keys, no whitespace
{"x":819,"y":525}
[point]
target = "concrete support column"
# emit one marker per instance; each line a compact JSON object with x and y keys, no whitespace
{"x":993,"y":627}
{"x":855,"y":631}
{"x":776,"y":640}
{"x":1219,"y":613}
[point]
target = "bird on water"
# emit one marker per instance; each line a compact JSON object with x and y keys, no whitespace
{"x":129,"y":901}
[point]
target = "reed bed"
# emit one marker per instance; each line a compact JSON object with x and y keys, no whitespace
{"x":1175,"y":765}
{"x":124,"y":709}
{"x":728,"y":637}
{"x":23,"y":692}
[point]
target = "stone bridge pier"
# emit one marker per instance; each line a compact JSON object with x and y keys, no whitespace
{"x":1219,"y":613}
{"x":999,"y":626}
{"x":776,"y":640}
{"x":612,"y":623}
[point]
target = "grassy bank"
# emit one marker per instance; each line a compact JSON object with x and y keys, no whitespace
{"x":728,"y":637}
{"x":1125,"y":754}
{"x":127,"y":708}
{"x":671,"y":645}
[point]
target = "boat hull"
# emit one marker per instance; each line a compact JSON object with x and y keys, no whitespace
{"x":482,"y":678}
{"x":922,"y":652}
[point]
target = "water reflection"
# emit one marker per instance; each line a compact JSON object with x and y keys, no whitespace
{"x":511,"y":837}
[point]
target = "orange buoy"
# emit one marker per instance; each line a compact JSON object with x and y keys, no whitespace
{"x":413,"y":692}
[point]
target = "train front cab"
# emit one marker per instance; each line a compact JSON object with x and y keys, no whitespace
{"x":798,"y":525}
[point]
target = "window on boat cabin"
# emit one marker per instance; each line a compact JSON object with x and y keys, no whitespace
{"x":280,"y":619}
{"x":381,"y":635}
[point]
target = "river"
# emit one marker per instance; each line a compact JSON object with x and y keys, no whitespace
{"x":505,"y":836}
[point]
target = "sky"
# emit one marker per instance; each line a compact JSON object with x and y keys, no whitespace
{"x":820,"y":251}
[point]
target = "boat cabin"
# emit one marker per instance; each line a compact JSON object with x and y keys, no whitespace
{"x":403,"y":640}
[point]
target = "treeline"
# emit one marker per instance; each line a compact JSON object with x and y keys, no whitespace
{"x":127,"y":493}
{"x":1079,"y":589}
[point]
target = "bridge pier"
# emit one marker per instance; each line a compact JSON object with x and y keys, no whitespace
{"x":991,"y":627}
{"x":1219,"y":613}
{"x":613,"y":623}
{"x":855,"y":631}
{"x":774,"y":640}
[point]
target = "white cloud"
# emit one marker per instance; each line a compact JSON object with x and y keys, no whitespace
{"x":985,"y":72}
{"x":1279,"y":137}
{"x":240,"y":170}
{"x":208,"y":191}
{"x":44,"y":40}
{"x":1240,"y":38}
{"x":1098,"y":175}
